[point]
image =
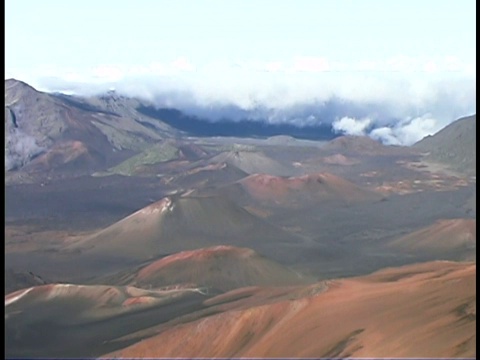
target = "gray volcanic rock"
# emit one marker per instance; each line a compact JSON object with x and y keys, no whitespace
{"x":454,"y":145}
{"x":47,"y":132}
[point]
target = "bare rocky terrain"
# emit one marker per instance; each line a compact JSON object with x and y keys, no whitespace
{"x":127,"y":237}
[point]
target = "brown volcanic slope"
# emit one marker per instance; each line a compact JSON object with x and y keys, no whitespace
{"x":305,"y":189}
{"x":70,"y":154}
{"x":253,"y":162}
{"x":175,"y":224}
{"x":423,"y":310}
{"x":455,"y":145}
{"x":65,"y":129}
{"x":209,"y":175}
{"x":339,"y":159}
{"x":66,"y":320}
{"x":450,"y":239}
{"x":362,"y":145}
{"x":221,"y":268}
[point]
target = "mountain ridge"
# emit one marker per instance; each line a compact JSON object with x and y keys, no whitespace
{"x":454,"y":145}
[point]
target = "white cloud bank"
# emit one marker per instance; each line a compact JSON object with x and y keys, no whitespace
{"x":403,"y":132}
{"x":407,"y":131}
{"x":350,"y":126}
{"x":397,"y":100}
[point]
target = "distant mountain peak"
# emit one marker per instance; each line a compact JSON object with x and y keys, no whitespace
{"x":10,"y":83}
{"x":16,"y":89}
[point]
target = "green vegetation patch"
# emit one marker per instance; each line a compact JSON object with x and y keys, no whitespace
{"x":155,"y":154}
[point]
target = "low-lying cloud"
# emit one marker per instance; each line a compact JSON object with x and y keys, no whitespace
{"x":351,"y":126}
{"x":401,"y":132}
{"x":395,"y":107}
{"x":406,"y":132}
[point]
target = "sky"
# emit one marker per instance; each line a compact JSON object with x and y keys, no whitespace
{"x":411,"y":61}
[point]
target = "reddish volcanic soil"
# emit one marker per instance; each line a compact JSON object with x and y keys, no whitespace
{"x":450,"y":236}
{"x":323,"y":186}
{"x":220,"y":267}
{"x":423,"y":310}
{"x":64,"y":320}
